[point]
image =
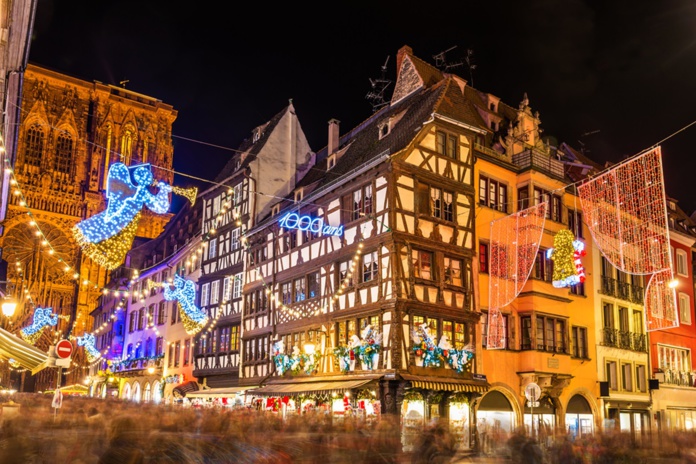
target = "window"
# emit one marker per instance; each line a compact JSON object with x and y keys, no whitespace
{"x":682,"y":267}
{"x":523,"y":198}
{"x":237,"y":286}
{"x":226,"y":289}
{"x":453,"y":271}
{"x":286,"y":290}
{"x":575,"y":223}
{"x":483,"y":258}
{"x":345,"y":274}
{"x":578,"y":289}
{"x":553,"y":210}
{"x":237,"y":195}
{"x":550,"y":334}
{"x":159,"y":346}
{"x":504,"y":329}
{"x":456,"y":331}
{"x":234,"y":240}
{"x":623,"y":319}
{"x":170,"y":358}
{"x":142,"y":314}
{"x":187,"y":352}
{"x":641,"y":378}
{"x":493,"y":194}
{"x":446,"y":144}
{"x":361,"y":202}
{"x":608,"y":315}
{"x":175,"y":313}
{"x":627,"y":377}
{"x":422,"y":262}
{"x":300,"y":289}
{"x":441,"y":206}
{"x":637,"y":322}
{"x":612,"y":375}
{"x":177,"y":353}
{"x":234,"y":338}
{"x":35,"y":143}
{"x":212,"y":248}
{"x":370,"y":266}
{"x":205,"y":293}
{"x":579,"y":342}
{"x":543,"y":267}
{"x":313,"y":285}
{"x":131,"y":322}
{"x":225,"y":338}
{"x":64,"y":157}
{"x":684,"y":309}
{"x":214,"y":292}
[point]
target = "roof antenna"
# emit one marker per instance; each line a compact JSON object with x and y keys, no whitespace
{"x":124,"y":82}
{"x":470,"y":63}
{"x":441,"y":61}
{"x":378,"y":88}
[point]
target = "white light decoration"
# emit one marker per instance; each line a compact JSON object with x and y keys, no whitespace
{"x":89,"y":342}
{"x":184,"y":292}
{"x":514,"y":244}
{"x":626,"y":213}
{"x":43,"y":317}
{"x":106,"y":237}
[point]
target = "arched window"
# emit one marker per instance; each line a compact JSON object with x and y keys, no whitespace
{"x":126,"y":391}
{"x":35,"y":145}
{"x":127,"y":147}
{"x":64,"y":153}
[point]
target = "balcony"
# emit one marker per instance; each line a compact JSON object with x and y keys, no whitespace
{"x":624,"y":340}
{"x":534,"y":159}
{"x":679,"y":378}
{"x":622,"y":290}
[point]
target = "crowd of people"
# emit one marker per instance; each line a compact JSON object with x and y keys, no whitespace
{"x":95,"y":431}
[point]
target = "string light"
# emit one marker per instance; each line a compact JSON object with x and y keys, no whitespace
{"x":43,"y":317}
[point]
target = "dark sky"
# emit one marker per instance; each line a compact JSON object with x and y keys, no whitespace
{"x":614,"y":76}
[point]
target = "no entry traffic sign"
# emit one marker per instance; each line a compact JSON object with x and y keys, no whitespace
{"x":64,"y":349}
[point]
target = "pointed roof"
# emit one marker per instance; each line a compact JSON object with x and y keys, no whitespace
{"x":249,"y":148}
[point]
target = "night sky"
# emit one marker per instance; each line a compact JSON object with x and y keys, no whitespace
{"x":614,"y":77}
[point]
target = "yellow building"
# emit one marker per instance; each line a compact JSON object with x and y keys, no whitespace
{"x":549,"y":332}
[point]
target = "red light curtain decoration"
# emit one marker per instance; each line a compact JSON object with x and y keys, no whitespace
{"x":514,"y":244}
{"x":626,"y":212}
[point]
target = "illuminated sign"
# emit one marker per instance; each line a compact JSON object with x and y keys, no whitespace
{"x":308,"y":223}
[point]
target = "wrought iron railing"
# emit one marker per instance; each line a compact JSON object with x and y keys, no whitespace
{"x":533,"y":159}
{"x":608,"y":286}
{"x":681,"y":378}
{"x":624,"y":340}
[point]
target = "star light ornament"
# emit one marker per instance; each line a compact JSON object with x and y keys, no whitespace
{"x":106,"y":237}
{"x":43,"y":317}
{"x":567,"y":256}
{"x":184,"y":292}
{"x":89,"y":343}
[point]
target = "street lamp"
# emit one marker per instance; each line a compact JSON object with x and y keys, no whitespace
{"x":8,"y":306}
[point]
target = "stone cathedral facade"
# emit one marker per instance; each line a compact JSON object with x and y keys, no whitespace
{"x":70,"y":132}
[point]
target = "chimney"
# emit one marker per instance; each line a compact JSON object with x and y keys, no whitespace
{"x":333,"y":136}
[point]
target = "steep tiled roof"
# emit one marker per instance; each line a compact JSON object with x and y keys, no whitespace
{"x":251,"y":148}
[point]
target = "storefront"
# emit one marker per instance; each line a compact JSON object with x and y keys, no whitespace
{"x":495,"y":421}
{"x":629,"y":417}
{"x":540,"y":421}
{"x":429,"y":400}
{"x":579,"y":419}
{"x":355,"y":396}
{"x":230,"y":397}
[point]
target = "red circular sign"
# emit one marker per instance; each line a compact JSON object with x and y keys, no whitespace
{"x":64,"y":349}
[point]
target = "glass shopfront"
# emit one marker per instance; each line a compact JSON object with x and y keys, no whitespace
{"x":579,"y":419}
{"x":495,"y":421}
{"x":540,"y":422}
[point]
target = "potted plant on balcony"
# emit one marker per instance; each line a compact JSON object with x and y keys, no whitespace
{"x":342,"y":357}
{"x":369,"y":348}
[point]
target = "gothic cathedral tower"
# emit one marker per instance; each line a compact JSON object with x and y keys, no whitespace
{"x":70,"y":131}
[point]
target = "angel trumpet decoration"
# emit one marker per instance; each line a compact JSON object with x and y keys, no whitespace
{"x":43,"y":317}
{"x":106,"y":237}
{"x":184,"y":292}
{"x":89,"y":342}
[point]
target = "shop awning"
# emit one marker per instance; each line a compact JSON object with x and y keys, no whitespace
{"x":27,"y":355}
{"x":183,"y":389}
{"x":291,"y":389}
{"x":445,"y":384}
{"x":219,"y":392}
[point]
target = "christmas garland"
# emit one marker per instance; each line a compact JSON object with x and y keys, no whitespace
{"x":437,"y":355}
{"x":295,"y":363}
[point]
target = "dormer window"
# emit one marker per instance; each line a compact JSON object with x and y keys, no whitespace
{"x":331,"y":162}
{"x":494,"y":125}
{"x":672,"y":206}
{"x":298,"y":195}
{"x":275,"y":210}
{"x":257,"y":135}
{"x":383,"y":130}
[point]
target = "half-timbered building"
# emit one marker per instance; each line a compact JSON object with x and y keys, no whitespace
{"x":265,"y":167}
{"x":359,"y":282}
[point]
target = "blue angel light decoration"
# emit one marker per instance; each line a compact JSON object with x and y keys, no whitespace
{"x":106,"y":237}
{"x":89,"y":342}
{"x":184,"y":292}
{"x":43,"y":317}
